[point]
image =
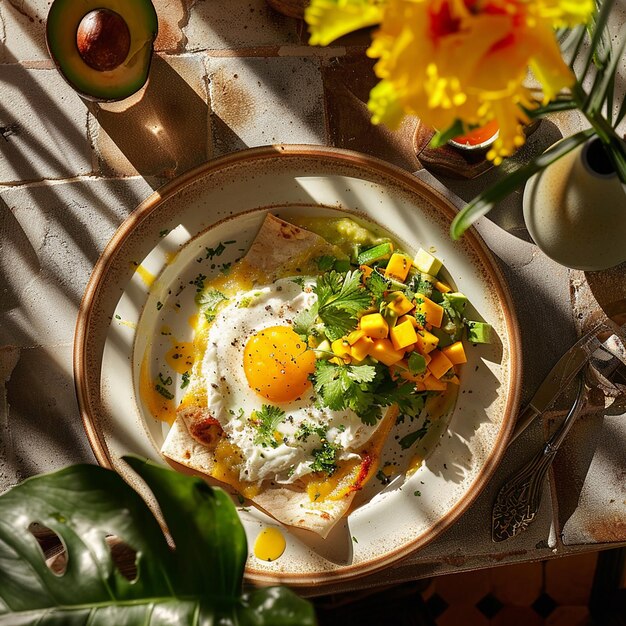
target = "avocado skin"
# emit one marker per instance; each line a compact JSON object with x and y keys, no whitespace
{"x":62,"y":24}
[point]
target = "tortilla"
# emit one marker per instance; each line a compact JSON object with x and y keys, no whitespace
{"x":196,"y":439}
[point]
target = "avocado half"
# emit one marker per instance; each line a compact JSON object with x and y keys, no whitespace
{"x":102,"y":48}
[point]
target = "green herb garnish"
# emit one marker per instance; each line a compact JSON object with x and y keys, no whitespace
{"x":324,"y":458}
{"x":207,"y":302}
{"x":267,"y":421}
{"x":185,"y":380}
{"x":164,"y":392}
{"x":340,"y":300}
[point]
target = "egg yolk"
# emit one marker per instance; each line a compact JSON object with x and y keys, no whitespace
{"x":277,"y":364}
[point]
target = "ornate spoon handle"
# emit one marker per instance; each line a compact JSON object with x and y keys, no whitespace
{"x":519,"y":498}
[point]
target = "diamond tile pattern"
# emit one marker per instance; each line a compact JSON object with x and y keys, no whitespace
{"x":478,"y":598}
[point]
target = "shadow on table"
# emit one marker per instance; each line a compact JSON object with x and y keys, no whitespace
{"x":162,"y":130}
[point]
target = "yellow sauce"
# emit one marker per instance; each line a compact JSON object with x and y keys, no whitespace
{"x":181,"y":356}
{"x":145,"y":275}
{"x":269,"y":544}
{"x":228,"y":457}
{"x":193,"y":320}
{"x":170,"y":257}
{"x":159,"y":406}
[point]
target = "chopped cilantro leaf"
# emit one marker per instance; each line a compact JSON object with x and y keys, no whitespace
{"x":408,"y":440}
{"x":213,"y":252}
{"x":185,"y":380}
{"x":267,"y":421}
{"x":325,"y":458}
{"x":164,"y":392}
{"x":347,"y":387}
{"x":384,"y":479}
{"x":340,"y":299}
{"x":377,"y":286}
{"x":207,"y":301}
{"x":304,"y":322}
{"x":198,"y":281}
{"x":165,"y":381}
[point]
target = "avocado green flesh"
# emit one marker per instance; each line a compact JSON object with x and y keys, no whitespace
{"x":62,"y":24}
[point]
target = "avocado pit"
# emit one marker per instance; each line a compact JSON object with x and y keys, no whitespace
{"x":103,"y":39}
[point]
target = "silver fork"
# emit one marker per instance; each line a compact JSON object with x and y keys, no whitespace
{"x":518,"y":500}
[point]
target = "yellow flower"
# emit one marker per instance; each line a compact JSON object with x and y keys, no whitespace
{"x":445,"y":60}
{"x":330,"y":19}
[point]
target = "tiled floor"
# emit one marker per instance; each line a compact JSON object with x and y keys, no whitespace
{"x":549,"y":593}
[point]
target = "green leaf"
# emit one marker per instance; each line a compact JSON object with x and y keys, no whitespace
{"x":197,"y":583}
{"x":440,"y":138}
{"x":484,"y":202}
{"x":304,"y":322}
{"x":208,"y":301}
{"x":267,"y":421}
{"x":340,"y":299}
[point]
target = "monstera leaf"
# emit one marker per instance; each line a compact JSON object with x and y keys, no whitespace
{"x":197,"y":582}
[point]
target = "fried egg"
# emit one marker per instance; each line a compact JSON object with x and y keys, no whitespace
{"x":255,"y":359}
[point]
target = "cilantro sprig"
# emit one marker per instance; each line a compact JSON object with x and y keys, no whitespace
{"x":267,"y":421}
{"x":208,"y":301}
{"x":340,"y":299}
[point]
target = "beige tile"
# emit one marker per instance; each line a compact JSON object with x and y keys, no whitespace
{"x":464,"y":588}
{"x":517,"y":584}
{"x":568,"y":580}
{"x":237,"y":24}
{"x":44,"y":126}
{"x":23,"y":31}
{"x":173,"y":16}
{"x":259,"y":102}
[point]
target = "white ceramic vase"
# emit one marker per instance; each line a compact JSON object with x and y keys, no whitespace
{"x":575,"y":210}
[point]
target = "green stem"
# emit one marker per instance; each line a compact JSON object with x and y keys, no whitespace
{"x":484,"y":202}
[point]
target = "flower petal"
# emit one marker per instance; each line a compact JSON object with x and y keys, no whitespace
{"x":330,"y":19}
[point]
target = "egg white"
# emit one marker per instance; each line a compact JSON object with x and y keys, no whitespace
{"x":231,"y":400}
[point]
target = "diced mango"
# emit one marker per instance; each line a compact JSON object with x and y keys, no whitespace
{"x":439,"y":364}
{"x":400,"y":304}
{"x":442,"y":287}
{"x":433,"y":384}
{"x":403,"y":335}
{"x":410,"y":318}
{"x":374,"y":325}
{"x":366,"y":271}
{"x":455,"y":352}
{"x":340,"y":347}
{"x":426,"y":342}
{"x":398,"y":267}
{"x":401,"y":369}
{"x":432,"y":311}
{"x":362,"y":348}
{"x":383,"y":351}
{"x":354,"y":336}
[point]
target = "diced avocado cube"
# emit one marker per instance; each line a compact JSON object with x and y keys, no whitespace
{"x":478,"y":332}
{"x":426,"y":262}
{"x":445,"y":339}
{"x":417,"y":363}
{"x":457,"y":300}
{"x":377,"y":253}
